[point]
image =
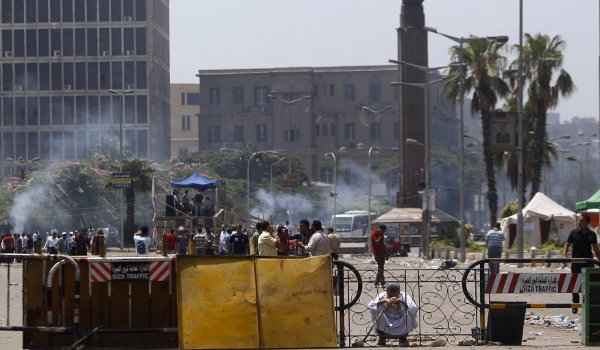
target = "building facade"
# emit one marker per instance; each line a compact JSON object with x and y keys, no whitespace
{"x":308,"y":112}
{"x":185,"y":108}
{"x":72,"y":70}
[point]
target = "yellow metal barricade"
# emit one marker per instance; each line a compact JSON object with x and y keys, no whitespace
{"x":241,"y":303}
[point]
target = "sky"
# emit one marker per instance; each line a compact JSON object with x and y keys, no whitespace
{"x":222,"y":34}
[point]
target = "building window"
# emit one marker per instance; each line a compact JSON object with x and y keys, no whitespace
{"x":325,"y":130}
{"x":374,"y":92}
{"x":261,"y":133}
{"x":186,"y":122}
{"x":331,"y":90}
{"x":260,"y":95}
{"x":349,"y":92}
{"x":333,"y":130}
{"x":238,"y":95}
{"x":214,"y":134}
{"x":374,"y":131}
{"x":193,"y":99}
{"x":326,"y":175}
{"x":292,"y":135}
{"x":317,"y":130}
{"x":349,"y":132}
{"x":214,"y":97}
{"x":238,"y":134}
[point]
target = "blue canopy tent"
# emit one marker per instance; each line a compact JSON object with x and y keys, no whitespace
{"x":197,"y":181}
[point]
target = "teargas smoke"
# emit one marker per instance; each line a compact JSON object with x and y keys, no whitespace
{"x":26,"y":204}
{"x":295,"y":206}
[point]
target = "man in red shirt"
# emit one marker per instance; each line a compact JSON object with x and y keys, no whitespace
{"x":169,"y":241}
{"x":379,"y":252}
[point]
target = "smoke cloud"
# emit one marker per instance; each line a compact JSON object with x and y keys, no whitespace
{"x":26,"y":203}
{"x":294,"y":206}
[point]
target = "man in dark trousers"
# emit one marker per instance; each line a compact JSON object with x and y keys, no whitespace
{"x":584,"y":241}
{"x":379,"y":252}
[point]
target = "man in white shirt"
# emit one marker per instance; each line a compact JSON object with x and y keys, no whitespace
{"x":395,"y":315}
{"x":142,"y":241}
{"x":319,"y":243}
{"x":51,"y":243}
{"x":224,"y":241}
{"x":267,"y":244}
{"x":494,"y":240}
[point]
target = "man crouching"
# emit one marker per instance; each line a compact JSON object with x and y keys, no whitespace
{"x":394,"y":314}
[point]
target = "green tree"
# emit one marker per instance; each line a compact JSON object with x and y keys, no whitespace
{"x":480,"y":77}
{"x":547,"y":81}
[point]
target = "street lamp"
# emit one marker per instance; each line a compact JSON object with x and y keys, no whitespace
{"x":121,"y":93}
{"x":372,"y":150}
{"x":334,"y":194}
{"x":271,"y":170}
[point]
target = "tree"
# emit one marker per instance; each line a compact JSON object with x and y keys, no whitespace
{"x":141,"y":181}
{"x":547,"y":82}
{"x":480,"y":77}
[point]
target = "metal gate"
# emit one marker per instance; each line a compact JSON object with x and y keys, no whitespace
{"x":443,"y":310}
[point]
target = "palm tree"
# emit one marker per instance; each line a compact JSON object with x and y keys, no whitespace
{"x":480,"y":77}
{"x":547,"y":82}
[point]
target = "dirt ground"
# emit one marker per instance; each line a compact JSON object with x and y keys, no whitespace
{"x":535,"y":336}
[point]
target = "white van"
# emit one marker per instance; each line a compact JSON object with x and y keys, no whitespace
{"x":352,"y":224}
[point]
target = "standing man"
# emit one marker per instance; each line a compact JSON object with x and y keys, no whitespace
{"x":379,"y":252}
{"x":224,"y":241}
{"x":319,"y":242}
{"x":142,"y":241}
{"x":182,"y":241}
{"x":267,"y":244}
{"x":284,"y":240}
{"x":334,"y":241}
{"x":304,"y":231}
{"x":239,"y":242}
{"x":494,"y":241}
{"x":51,"y":243}
{"x":254,"y":238}
{"x":584,"y":241}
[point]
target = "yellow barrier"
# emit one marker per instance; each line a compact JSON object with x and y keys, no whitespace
{"x":243,"y":303}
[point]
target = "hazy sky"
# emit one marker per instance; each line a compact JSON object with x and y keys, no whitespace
{"x":209,"y":34}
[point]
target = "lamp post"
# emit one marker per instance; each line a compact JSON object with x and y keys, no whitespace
{"x":426,"y":217}
{"x":121,"y":93}
{"x":334,"y":194}
{"x":271,"y":171}
{"x":461,"y":41}
{"x":521,"y":150}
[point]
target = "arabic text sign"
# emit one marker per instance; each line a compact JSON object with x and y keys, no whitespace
{"x":533,"y":283}
{"x":130,"y":271}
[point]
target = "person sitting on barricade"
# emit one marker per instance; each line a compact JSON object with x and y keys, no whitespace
{"x":395,"y":315}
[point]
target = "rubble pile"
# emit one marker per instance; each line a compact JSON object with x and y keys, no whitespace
{"x":558,"y":321}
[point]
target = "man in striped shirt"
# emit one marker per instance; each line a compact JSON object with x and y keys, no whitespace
{"x":494,"y":240}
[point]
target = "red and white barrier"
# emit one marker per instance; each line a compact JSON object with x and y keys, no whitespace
{"x":533,"y":283}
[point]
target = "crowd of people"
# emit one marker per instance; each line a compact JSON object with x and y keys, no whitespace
{"x":76,"y":243}
{"x":264,"y":240}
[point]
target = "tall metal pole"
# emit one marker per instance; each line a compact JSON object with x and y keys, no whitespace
{"x":248,"y":183}
{"x":461,"y":196}
{"x":121,"y":169}
{"x":427,"y":196}
{"x":371,"y":149}
{"x":334,"y":189}
{"x":521,"y":182}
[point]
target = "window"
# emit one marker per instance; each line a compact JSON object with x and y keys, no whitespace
{"x":81,"y":76}
{"x":67,"y":11}
{"x":214,"y":134}
{"x":326,"y":175}
{"x":92,"y":10}
{"x":33,"y":145}
{"x":20,"y":116}
{"x":129,"y":70}
{"x":142,"y":109}
{"x":20,"y":145}
{"x":7,"y":77}
{"x":92,"y":42}
{"x":128,"y":41}
{"x":7,"y":45}
{"x":142,"y":146}
{"x":57,"y":110}
{"x":349,"y":131}
{"x":261,"y":133}
{"x":140,"y":68}
{"x":115,"y":10}
{"x":32,"y":111}
{"x":7,"y":11}
{"x":103,"y":10}
{"x":104,"y":41}
{"x":69,"y":145}
{"x":19,"y":11}
{"x":238,"y":95}
{"x":69,"y":110}
{"x":7,"y":145}
{"x":19,"y":43}
{"x":215,"y":96}
{"x":331,"y":90}
{"x":31,"y":11}
{"x":44,"y":42}
{"x":349,"y":92}
{"x":374,"y":92}
{"x":129,"y":109}
{"x":128,"y":9}
{"x":105,"y":110}
{"x":45,"y":145}
{"x":193,"y":99}
{"x":117,"y":75}
{"x":116,"y":42}
{"x":80,"y":42}
{"x":260,"y":95}
{"x":325,"y":130}
{"x":92,"y":78}
{"x":81,"y":103}
{"x":69,"y":76}
{"x":140,"y":10}
{"x":45,"y":110}
{"x":67,"y":42}
{"x":117,"y":108}
{"x":292,"y":135}
{"x":7,"y":111}
{"x":54,"y":11}
{"x":57,"y":146}
{"x":186,"y":122}
{"x":238,"y":134}
{"x":19,"y":77}
{"x":55,"y":42}
{"x":317,"y":130}
{"x":140,"y":41}
{"x":333,"y":130}
{"x":104,"y":75}
{"x":32,"y":77}
{"x":93,"y":110}
{"x":44,"y":76}
{"x":374,"y":131}
{"x":79,"y":10}
{"x":42,"y":11}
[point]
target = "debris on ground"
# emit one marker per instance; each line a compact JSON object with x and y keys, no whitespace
{"x":438,"y":343}
{"x":557,"y":321}
{"x":467,"y":342}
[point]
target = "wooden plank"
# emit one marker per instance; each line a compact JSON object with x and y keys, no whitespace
{"x":141,"y":303}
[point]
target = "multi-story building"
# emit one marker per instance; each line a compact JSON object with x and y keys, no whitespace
{"x":72,"y":70}
{"x":185,"y":106}
{"x":310,"y":111}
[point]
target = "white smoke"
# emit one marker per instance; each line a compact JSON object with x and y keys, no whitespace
{"x":295,"y":206}
{"x":353,"y":193}
{"x":26,"y":204}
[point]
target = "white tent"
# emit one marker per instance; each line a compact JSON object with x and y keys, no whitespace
{"x":543,"y":215}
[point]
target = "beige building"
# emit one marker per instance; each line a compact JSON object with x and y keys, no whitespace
{"x":185,"y":107}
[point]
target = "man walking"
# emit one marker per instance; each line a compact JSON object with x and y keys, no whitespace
{"x":319,"y":242}
{"x":584,"y":241}
{"x":267,"y":244}
{"x":494,"y":241}
{"x":379,"y":252}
